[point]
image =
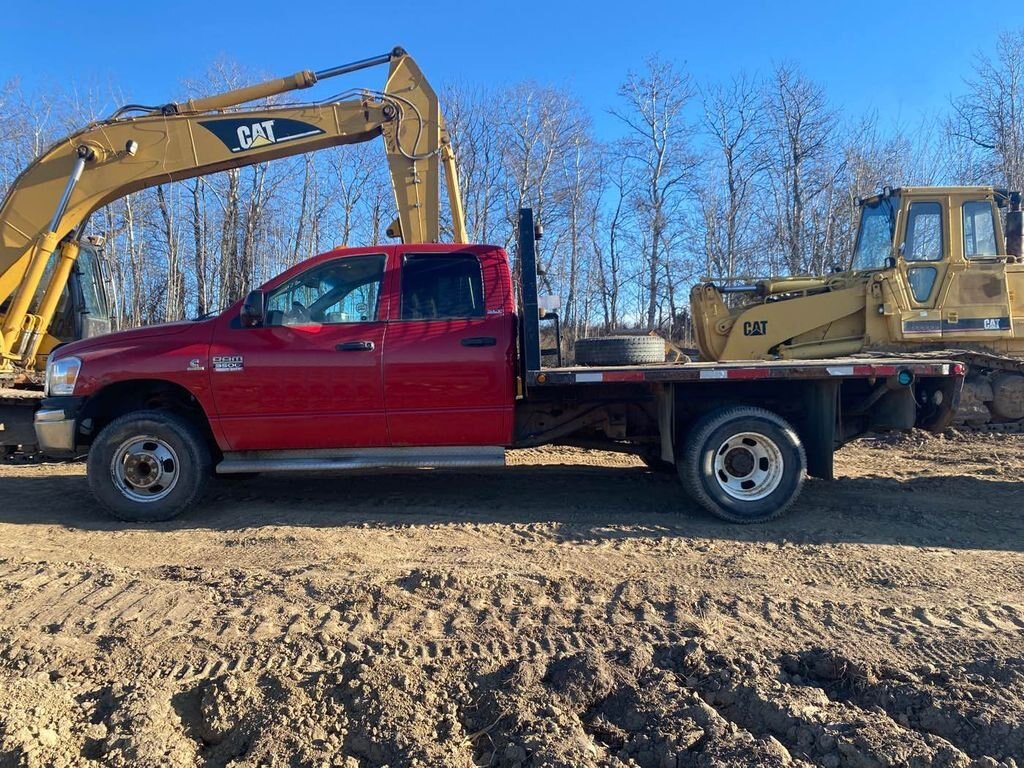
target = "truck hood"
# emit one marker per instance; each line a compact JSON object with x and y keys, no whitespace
{"x":121,"y":339}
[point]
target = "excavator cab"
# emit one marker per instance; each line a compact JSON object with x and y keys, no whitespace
{"x":85,"y":309}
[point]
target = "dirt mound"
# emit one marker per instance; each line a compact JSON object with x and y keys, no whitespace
{"x":684,"y":704}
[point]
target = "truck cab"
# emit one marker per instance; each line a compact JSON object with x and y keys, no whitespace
{"x":368,"y":347}
{"x":381,"y":347}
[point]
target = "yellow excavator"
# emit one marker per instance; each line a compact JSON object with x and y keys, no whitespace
{"x":933,"y":271}
{"x":51,"y":284}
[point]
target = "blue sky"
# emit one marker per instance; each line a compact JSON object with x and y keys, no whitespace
{"x":902,"y":58}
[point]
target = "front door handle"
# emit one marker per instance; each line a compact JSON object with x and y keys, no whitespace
{"x":479,"y":341}
{"x":355,"y":346}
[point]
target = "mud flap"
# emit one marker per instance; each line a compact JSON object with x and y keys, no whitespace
{"x":943,"y":413}
{"x":895,"y":410}
{"x":818,"y":428}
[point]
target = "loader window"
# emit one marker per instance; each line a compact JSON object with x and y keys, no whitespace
{"x":443,"y":286}
{"x":921,"y":280}
{"x":979,"y":229}
{"x":874,"y":240}
{"x":924,"y":233}
{"x":340,"y":291}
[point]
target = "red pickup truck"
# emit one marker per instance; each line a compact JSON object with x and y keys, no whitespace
{"x":417,"y":356}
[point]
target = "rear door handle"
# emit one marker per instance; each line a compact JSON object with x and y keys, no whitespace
{"x":479,"y":341}
{"x":355,"y":346}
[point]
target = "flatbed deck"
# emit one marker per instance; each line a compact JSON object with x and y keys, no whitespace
{"x":838,"y":367}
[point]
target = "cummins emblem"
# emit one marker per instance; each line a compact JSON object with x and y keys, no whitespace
{"x":241,"y":135}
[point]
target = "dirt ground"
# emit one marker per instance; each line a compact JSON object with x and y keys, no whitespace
{"x":571,"y":610}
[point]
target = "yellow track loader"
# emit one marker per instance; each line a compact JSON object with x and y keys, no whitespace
{"x":933,"y":271}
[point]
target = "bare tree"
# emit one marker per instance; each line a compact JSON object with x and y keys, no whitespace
{"x":734,"y":124}
{"x":990,"y":116}
{"x":658,"y":147}
{"x":200,"y":253}
{"x":476,"y":142}
{"x":174,"y":308}
{"x":802,"y":168}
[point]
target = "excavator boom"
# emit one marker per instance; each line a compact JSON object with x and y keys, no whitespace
{"x":48,"y":204}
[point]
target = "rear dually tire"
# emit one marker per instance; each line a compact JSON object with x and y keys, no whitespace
{"x":743,"y":464}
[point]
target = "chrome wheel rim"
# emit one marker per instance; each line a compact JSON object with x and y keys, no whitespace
{"x":748,"y":466}
{"x":145,"y":469}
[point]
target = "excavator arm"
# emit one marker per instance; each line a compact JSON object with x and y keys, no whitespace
{"x":48,"y":204}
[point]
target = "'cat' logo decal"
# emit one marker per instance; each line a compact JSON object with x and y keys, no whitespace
{"x":252,"y":133}
{"x":755,"y":327}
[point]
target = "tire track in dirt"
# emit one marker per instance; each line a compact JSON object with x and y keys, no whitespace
{"x":576,"y":622}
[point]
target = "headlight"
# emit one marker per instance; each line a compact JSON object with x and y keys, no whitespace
{"x":61,"y":376}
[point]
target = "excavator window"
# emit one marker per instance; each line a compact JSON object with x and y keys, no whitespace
{"x":979,"y":229}
{"x":92,"y":285}
{"x":924,"y":233}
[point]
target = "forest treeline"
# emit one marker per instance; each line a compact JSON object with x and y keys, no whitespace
{"x":749,"y":175}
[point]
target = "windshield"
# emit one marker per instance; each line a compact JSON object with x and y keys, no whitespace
{"x":874,"y":241}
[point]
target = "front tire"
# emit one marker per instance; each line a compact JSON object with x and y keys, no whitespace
{"x":148,"y":466}
{"x":744,"y":465}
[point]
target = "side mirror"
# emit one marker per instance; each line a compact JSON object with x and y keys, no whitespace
{"x":253,"y":310}
{"x":890,"y":262}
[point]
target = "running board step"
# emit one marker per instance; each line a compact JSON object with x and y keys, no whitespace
{"x":347,"y":459}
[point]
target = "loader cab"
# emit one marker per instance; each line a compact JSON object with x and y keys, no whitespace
{"x":948,"y":277}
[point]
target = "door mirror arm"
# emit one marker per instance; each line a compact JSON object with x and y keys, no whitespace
{"x":253,"y":310}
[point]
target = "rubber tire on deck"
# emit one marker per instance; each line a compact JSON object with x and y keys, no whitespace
{"x":188,"y":442}
{"x":620,"y":350}
{"x":709,"y":433}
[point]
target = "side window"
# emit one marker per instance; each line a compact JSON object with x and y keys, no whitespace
{"x":979,"y":229}
{"x":345,"y":290}
{"x":921,"y":279}
{"x":441,"y":287}
{"x":924,"y":233}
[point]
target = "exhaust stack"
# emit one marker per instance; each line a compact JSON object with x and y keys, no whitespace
{"x":1015,"y":227}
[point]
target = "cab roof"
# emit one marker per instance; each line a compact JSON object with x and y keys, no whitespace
{"x":953,"y":191}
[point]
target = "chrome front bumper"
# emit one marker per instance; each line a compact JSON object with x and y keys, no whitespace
{"x":55,"y":430}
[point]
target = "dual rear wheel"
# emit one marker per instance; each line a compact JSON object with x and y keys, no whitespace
{"x":743,"y":464}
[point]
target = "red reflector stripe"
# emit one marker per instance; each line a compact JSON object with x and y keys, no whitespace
{"x":622,"y":376}
{"x":749,"y":373}
{"x":874,"y":370}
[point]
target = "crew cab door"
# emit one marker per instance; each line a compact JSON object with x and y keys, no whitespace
{"x":311,"y":375}
{"x":449,"y":353}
